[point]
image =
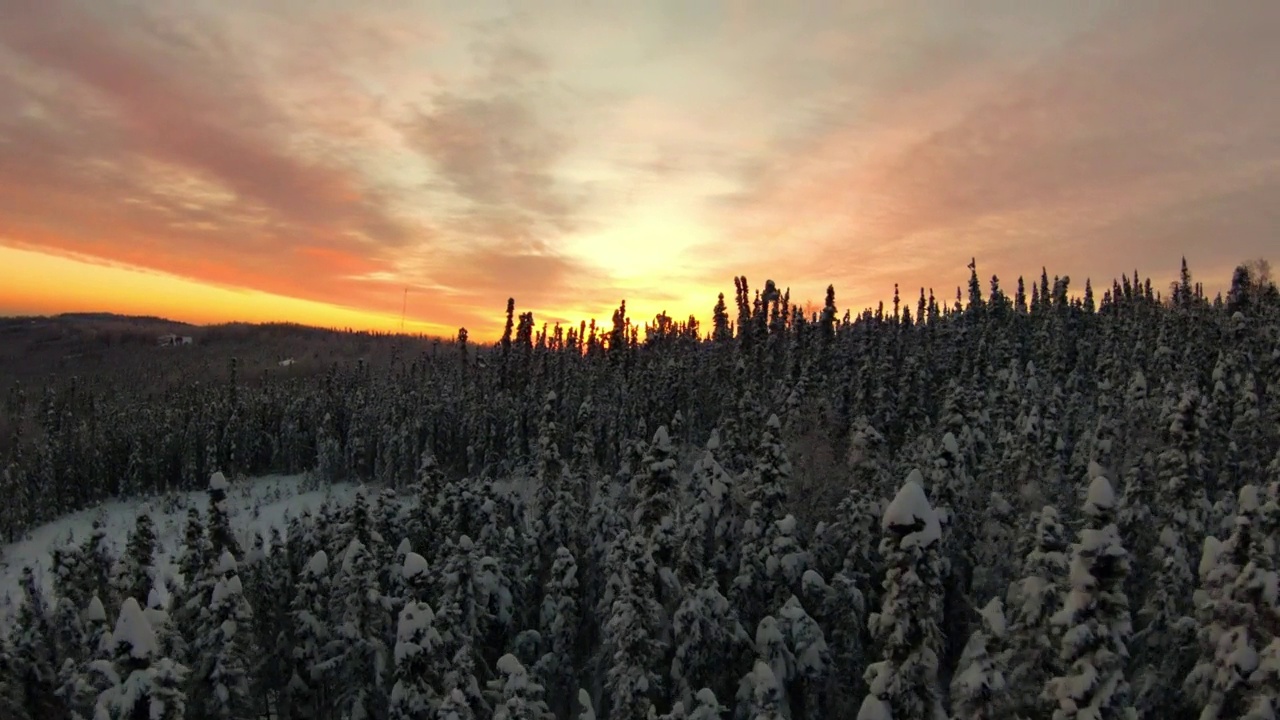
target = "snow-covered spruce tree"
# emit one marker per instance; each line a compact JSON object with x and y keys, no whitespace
{"x":657,"y":512}
{"x":455,"y":707}
{"x":391,"y":572}
{"x":741,"y":413}
{"x":309,"y":691}
{"x":993,"y":570}
{"x":906,"y":629}
{"x":1134,"y":434}
{"x":1238,"y":614}
{"x":269,"y":589}
{"x":979,"y":689}
{"x":416,"y":580}
{"x":1138,"y":520}
{"x":455,"y":512}
{"x":866,"y":458}
{"x":1180,"y":469}
{"x":1269,"y":522}
{"x":81,"y":679}
{"x":430,"y":483}
{"x":196,"y":562}
{"x":677,"y":713}
{"x":221,"y":538}
{"x":708,"y":546}
{"x":771,"y":650}
{"x":388,"y":524}
{"x":1245,"y":438}
{"x":1218,"y":412}
{"x":459,"y":622}
{"x":1164,"y":645}
{"x":496,"y":594}
{"x":96,"y":563}
{"x":521,"y":695}
{"x":509,"y":576}
{"x":1021,"y":463}
{"x":1265,"y":681}
{"x":33,"y":643}
{"x":1101,"y":445}
{"x":71,"y":578}
{"x":1095,"y":619}
{"x":788,"y":559}
{"x":301,"y":541}
{"x":195,"y":553}
{"x":1222,"y":515}
{"x":358,"y":523}
{"x":706,"y":706}
{"x":605,"y":526}
{"x":144,"y":683}
{"x":584,"y":444}
{"x":766,"y":700}
{"x":219,"y":681}
{"x":157,"y":615}
{"x":951,"y":487}
{"x":134,"y":573}
{"x":559,"y":512}
{"x":357,"y":656}
{"x":630,"y":648}
{"x":11,"y":702}
{"x":758,"y":587}
{"x":416,"y":694}
{"x":952,"y":490}
{"x":841,"y":610}
{"x":853,"y":539}
{"x":805,"y":686}
{"x":708,"y":638}
{"x":1034,"y":641}
{"x":69,"y":646}
{"x":559,"y":625}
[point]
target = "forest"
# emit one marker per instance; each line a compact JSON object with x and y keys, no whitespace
{"x":1053,"y":502}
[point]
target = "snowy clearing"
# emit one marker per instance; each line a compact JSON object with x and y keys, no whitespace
{"x":256,"y":505}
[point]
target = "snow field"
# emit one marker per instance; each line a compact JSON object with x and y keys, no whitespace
{"x":255,"y":506}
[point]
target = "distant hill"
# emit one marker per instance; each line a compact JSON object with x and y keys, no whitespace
{"x":104,"y":316}
{"x":125,"y":348}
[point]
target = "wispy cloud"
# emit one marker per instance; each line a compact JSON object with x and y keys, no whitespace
{"x":569,"y":155}
{"x":1076,"y":155}
{"x":133,"y":140}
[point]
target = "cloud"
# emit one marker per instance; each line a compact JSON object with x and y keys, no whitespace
{"x":497,"y":142}
{"x":494,"y":153}
{"x":134,"y":140}
{"x":197,"y":120}
{"x":1075,"y":157}
{"x":571,"y":155}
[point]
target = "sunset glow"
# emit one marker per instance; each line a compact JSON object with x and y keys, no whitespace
{"x":37,"y":283}
{"x":308,"y":162}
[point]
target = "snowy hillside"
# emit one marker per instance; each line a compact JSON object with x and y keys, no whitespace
{"x":256,"y":505}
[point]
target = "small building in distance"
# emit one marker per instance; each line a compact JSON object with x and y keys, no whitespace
{"x":171,"y":339}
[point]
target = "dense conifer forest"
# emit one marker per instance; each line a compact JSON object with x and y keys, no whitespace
{"x":1036,"y":502}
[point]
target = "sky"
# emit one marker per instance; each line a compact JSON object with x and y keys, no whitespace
{"x":309,"y":160}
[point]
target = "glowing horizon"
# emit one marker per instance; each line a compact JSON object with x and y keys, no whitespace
{"x":306,"y":163}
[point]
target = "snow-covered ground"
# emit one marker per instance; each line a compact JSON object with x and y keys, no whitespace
{"x":255,"y":505}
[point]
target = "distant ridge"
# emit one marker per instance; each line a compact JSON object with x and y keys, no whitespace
{"x":100,"y":316}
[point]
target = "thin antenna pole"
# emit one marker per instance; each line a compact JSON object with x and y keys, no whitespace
{"x":403,"y":305}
